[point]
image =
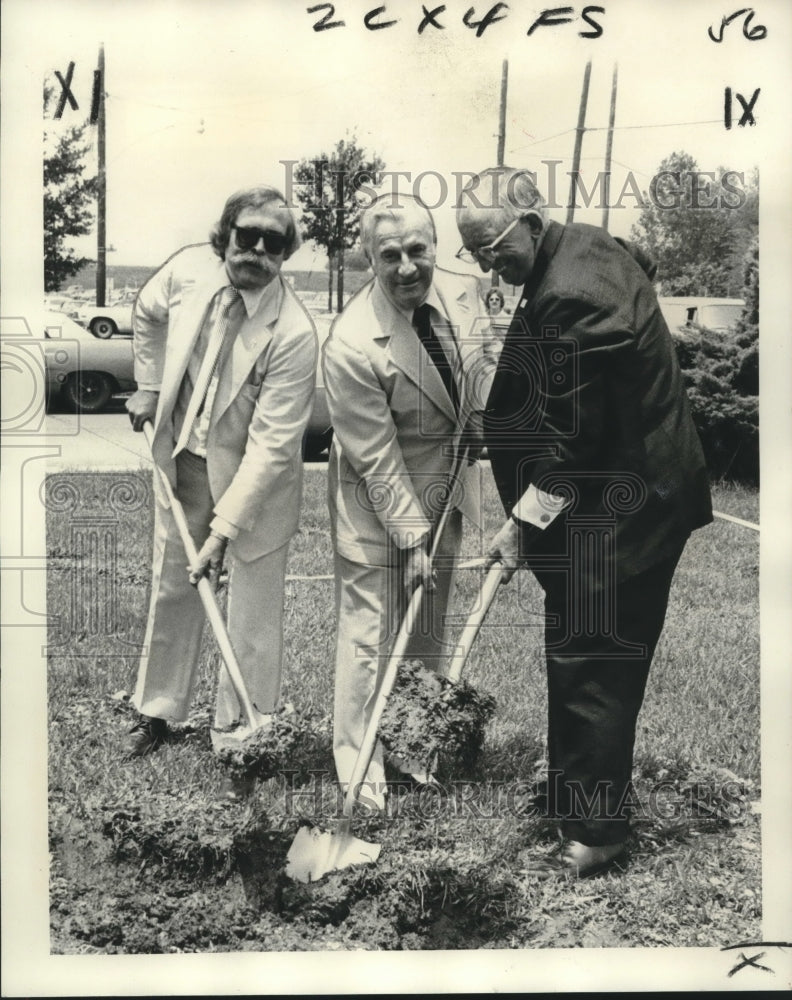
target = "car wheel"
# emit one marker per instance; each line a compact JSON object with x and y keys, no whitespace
{"x":88,"y":392}
{"x":103,"y":328}
{"x":315,"y":444}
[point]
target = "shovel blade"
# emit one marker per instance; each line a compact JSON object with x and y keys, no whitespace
{"x":231,"y":739}
{"x":314,"y":853}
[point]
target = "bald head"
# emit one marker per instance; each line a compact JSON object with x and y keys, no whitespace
{"x":501,"y":194}
{"x":501,"y":217}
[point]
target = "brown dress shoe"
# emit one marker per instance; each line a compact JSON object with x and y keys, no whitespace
{"x":571,"y":859}
{"x":146,"y":736}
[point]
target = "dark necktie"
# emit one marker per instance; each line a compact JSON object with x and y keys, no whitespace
{"x":434,"y":349}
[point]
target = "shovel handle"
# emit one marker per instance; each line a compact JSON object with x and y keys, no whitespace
{"x":206,"y":594}
{"x":473,"y":624}
{"x":406,"y":630}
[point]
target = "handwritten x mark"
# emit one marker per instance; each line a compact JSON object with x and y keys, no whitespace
{"x":753,"y":962}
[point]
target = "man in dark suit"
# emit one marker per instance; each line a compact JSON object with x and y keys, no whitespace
{"x":602,"y":477}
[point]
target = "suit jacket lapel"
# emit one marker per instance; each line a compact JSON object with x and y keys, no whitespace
{"x":407,"y":352}
{"x":186,"y":323}
{"x":457,"y":308}
{"x":252,"y":337}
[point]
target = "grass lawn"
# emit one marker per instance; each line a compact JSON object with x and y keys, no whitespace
{"x":145,"y":860}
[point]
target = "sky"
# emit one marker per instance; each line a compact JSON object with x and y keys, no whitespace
{"x":204,"y":98}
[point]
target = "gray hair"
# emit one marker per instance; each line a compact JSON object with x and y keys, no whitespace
{"x":390,"y":206}
{"x":509,"y":191}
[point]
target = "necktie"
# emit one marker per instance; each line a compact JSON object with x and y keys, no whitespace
{"x":227,"y":298}
{"x":433,"y":347}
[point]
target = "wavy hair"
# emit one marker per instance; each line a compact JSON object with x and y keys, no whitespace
{"x":255,"y":197}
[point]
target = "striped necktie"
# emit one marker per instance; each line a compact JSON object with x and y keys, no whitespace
{"x":228,"y":297}
{"x":427,"y":336}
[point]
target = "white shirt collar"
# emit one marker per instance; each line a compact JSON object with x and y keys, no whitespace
{"x":267,"y":298}
{"x":432,"y":299}
{"x":261,"y":298}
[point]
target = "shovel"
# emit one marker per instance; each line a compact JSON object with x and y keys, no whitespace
{"x":255,"y":720}
{"x":471,"y":627}
{"x":314,"y":853}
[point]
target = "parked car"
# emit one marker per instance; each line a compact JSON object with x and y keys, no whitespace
{"x":82,"y":370}
{"x":108,"y":321}
{"x":87,"y":372}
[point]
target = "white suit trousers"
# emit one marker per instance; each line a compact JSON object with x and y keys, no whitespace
{"x":370,"y":604}
{"x":172,"y":646}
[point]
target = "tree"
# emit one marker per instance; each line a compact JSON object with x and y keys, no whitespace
{"x":326,"y":188}
{"x":697,"y":227}
{"x":721,"y":372}
{"x":68,"y":198}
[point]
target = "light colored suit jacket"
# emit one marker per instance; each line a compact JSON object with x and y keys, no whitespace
{"x":263,"y":400}
{"x":395,"y":429}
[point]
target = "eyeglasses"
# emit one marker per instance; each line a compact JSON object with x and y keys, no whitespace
{"x":247,"y":237}
{"x":486,"y":255}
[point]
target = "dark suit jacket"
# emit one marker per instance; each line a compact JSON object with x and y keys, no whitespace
{"x":588,"y":400}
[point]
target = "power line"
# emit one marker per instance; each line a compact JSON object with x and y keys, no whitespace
{"x":618,"y":128}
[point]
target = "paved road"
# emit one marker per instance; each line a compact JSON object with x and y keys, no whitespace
{"x":103,"y":441}
{"x":95,"y":441}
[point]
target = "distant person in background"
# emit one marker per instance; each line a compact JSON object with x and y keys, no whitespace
{"x":602,"y":477}
{"x":225,"y":361}
{"x":494,"y":301}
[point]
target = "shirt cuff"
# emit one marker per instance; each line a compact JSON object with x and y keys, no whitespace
{"x":148,"y":387}
{"x":537,"y":507}
{"x":224,"y":527}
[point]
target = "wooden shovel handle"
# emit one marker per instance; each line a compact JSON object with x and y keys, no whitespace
{"x":406,"y":630}
{"x":206,"y":594}
{"x":473,"y":624}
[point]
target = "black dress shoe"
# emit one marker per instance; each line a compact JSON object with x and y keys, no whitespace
{"x":146,"y":736}
{"x":570,"y":859}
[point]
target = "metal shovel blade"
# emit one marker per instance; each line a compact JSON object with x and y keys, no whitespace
{"x":314,"y":852}
{"x":234,"y":737}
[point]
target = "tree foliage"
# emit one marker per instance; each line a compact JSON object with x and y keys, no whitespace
{"x":697,"y":227}
{"x":327,"y":187}
{"x":721,"y":371}
{"x":68,"y":198}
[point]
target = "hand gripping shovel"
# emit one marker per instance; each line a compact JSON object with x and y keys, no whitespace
{"x":314,"y":853}
{"x":254,"y":719}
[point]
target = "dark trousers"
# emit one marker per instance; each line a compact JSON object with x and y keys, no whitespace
{"x":599,"y":644}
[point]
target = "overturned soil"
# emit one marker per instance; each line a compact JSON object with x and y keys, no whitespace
{"x":146,"y":863}
{"x":430,"y":720}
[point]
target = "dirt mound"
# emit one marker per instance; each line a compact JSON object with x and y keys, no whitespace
{"x":427,"y":716}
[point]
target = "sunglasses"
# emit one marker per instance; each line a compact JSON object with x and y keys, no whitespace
{"x":248,"y":237}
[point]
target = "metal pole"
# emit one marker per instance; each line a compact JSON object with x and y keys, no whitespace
{"x":581,"y":128}
{"x":502,"y":120}
{"x":501,"y":135}
{"x":609,"y":150}
{"x":101,"y":190}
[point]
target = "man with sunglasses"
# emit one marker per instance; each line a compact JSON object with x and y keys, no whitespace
{"x":602,"y":477}
{"x":225,"y":361}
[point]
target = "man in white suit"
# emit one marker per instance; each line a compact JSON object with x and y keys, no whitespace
{"x":404,"y":367}
{"x":225,"y":361}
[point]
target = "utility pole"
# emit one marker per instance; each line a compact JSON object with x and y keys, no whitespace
{"x":502,"y":135}
{"x":609,"y":149}
{"x":502,"y":120}
{"x":581,"y":128}
{"x":101,"y":186}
